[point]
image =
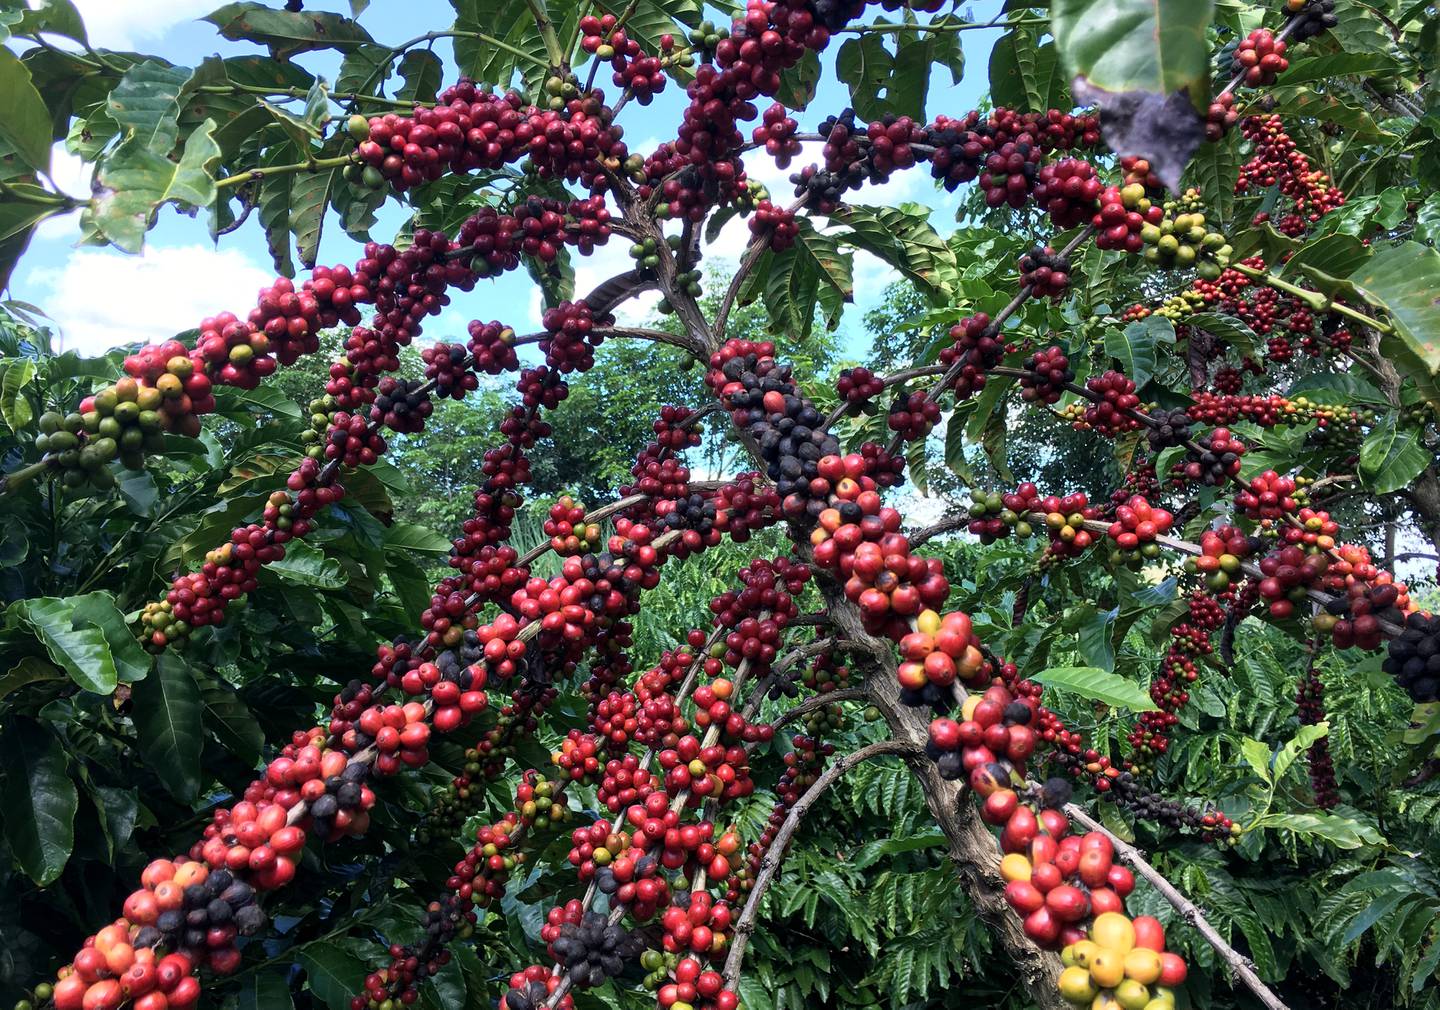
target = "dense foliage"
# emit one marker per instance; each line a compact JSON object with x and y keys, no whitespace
{"x":1157,"y":416}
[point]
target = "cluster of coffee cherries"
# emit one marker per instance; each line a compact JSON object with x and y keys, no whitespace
{"x":993,"y":727}
{"x":402,"y":405}
{"x":448,"y":366}
{"x":1047,"y":373}
{"x":1414,"y":657}
{"x":1222,"y":553}
{"x":942,"y":649}
{"x":975,"y":347}
{"x":593,"y":949}
{"x":1311,"y":18}
{"x":471,"y":128}
{"x":1310,"y":706}
{"x":1121,"y":962}
{"x":1122,"y":217}
{"x":1069,"y":191}
{"x":112,"y":968}
{"x":82,"y":444}
{"x":1278,"y":161}
{"x":1260,"y":56}
{"x":1217,"y":461}
{"x":1113,"y":403}
{"x":531,"y":989}
{"x":1268,"y":495}
{"x":1170,"y":687}
{"x":568,"y":532}
{"x":1181,"y":238}
{"x":411,"y":964}
{"x":995,"y":516}
{"x":1065,"y":519}
{"x":1045,"y":272}
{"x":860,"y":539}
{"x":1137,"y":524}
{"x":858,"y":386}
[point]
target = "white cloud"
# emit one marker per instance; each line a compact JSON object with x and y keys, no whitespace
{"x":71,"y":176}
{"x":120,"y":24}
{"x":102,"y":299}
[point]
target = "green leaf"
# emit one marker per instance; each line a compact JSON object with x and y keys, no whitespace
{"x":14,"y":404}
{"x":1302,"y":742}
{"x":25,"y":122}
{"x":411,"y":537}
{"x":231,"y":401}
{"x":40,"y":800}
{"x":80,"y":649}
{"x":798,"y":82}
{"x":273,"y":207}
{"x":286,"y":33}
{"x":1097,"y":685}
{"x":1229,"y":329}
{"x":265,"y":990}
{"x":1342,"y":832}
{"x":1134,"y":346}
{"x":232,"y":722}
{"x":902,"y":237}
{"x":137,"y":181}
{"x":1392,"y":457}
{"x":1135,"y":45}
{"x":364,"y":69}
{"x":1093,"y":638}
{"x":308,"y":566}
{"x":508,"y":20}
{"x":1404,"y":280}
{"x":309,"y":196}
{"x":1327,"y":258}
{"x":1213,"y":169}
{"x":132,"y":663}
{"x":421,"y":70}
{"x":331,"y":971}
{"x":1257,"y":756}
{"x":872,"y":852}
{"x":30,"y":670}
{"x":1025,"y":74}
{"x":166,"y":709}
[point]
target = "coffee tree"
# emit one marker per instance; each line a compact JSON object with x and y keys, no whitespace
{"x":1200,"y":232}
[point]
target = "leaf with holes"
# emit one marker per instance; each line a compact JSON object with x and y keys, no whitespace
{"x":309,"y":198}
{"x":865,"y":65}
{"x":137,"y":181}
{"x":286,"y":33}
{"x":1229,"y":329}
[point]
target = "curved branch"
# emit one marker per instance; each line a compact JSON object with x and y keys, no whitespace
{"x":820,"y":701}
{"x":770,"y":863}
{"x":1242,"y":966}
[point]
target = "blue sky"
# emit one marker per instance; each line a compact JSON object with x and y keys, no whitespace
{"x":101,"y":297}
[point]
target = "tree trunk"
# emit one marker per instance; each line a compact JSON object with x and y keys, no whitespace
{"x":972,"y":847}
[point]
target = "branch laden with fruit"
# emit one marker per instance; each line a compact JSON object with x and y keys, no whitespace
{"x":667,"y":882}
